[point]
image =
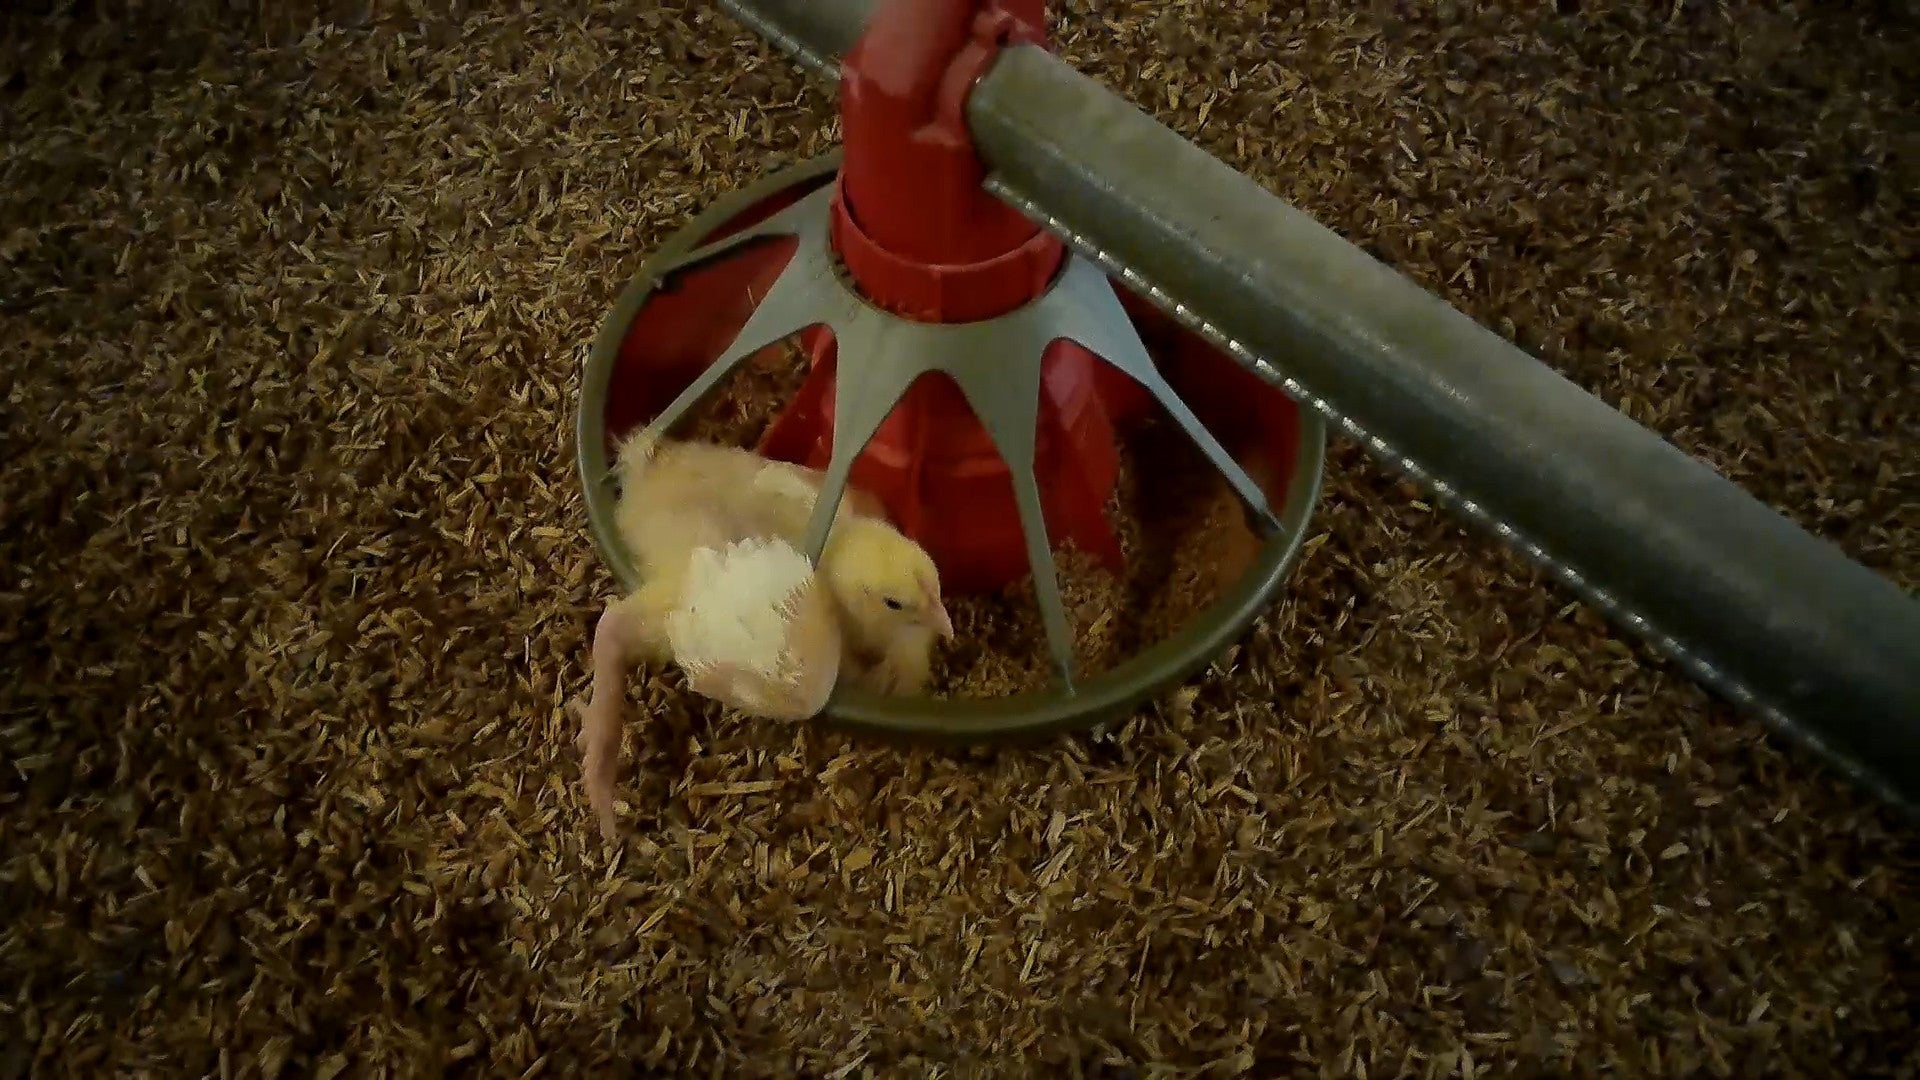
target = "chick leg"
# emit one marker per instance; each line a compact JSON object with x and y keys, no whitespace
{"x":627,"y":634}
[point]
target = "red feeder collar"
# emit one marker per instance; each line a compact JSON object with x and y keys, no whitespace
{"x":917,"y":231}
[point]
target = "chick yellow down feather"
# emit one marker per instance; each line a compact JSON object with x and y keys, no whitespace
{"x":729,"y":597}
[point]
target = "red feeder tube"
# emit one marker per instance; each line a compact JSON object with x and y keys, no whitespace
{"x":920,"y":238}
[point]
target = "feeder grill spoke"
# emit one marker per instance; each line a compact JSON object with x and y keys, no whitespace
{"x":805,"y":295}
{"x":1094,"y":319}
{"x":751,"y":340}
{"x":871,"y":375}
{"x":826,"y":506}
{"x":1046,"y":575}
{"x":791,"y":221}
{"x":1004,"y":392}
{"x":721,"y":248}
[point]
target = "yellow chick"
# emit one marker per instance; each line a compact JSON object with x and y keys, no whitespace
{"x":884,"y":585}
{"x":730,"y":597}
{"x":741,"y":612}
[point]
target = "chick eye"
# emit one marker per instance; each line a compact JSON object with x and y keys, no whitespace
{"x":895,"y":604}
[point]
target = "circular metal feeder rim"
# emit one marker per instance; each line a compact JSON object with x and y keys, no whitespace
{"x":1092,"y":701}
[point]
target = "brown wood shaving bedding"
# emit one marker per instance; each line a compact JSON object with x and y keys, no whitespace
{"x":298,"y":583}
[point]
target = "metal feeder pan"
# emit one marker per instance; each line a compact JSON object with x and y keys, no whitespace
{"x":1086,"y":703}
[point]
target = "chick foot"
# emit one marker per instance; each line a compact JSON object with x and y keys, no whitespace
{"x":599,"y":745}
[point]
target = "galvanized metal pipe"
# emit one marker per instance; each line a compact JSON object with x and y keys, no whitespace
{"x":815,"y":32}
{"x":1778,"y":621}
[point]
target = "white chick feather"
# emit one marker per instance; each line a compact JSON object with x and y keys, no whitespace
{"x":737,"y":607}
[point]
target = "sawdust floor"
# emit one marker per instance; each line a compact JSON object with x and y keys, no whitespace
{"x":297,"y":582}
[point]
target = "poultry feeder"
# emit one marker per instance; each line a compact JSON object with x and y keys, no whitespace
{"x":963,"y":367}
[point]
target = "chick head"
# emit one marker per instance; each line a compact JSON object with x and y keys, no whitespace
{"x":886,"y":583}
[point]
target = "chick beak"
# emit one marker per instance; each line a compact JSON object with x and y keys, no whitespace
{"x":942,"y":622}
